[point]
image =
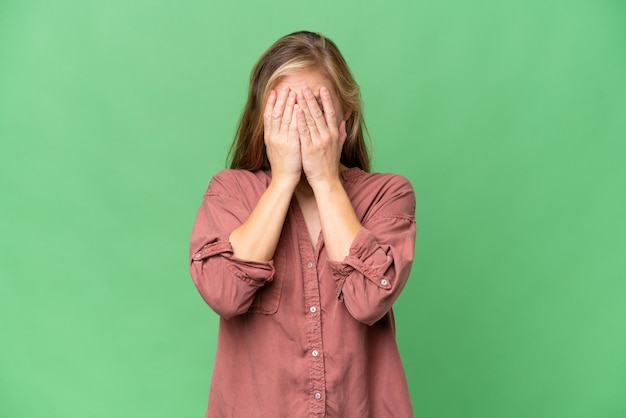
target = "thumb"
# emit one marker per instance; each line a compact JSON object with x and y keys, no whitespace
{"x":342,"y":132}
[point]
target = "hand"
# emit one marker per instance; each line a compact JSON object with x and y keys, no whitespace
{"x":281,"y":136}
{"x":321,"y":137}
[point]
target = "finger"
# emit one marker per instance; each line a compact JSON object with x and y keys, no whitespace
{"x":315,"y":113}
{"x":288,"y":113}
{"x":309,"y":122}
{"x":267,"y":114}
{"x":303,"y":127}
{"x":329,"y":109}
{"x":279,"y":107}
{"x":293,"y":126}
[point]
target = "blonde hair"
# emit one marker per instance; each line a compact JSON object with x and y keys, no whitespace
{"x":292,"y":53}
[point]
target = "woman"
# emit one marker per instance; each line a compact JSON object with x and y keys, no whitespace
{"x":302,"y":251}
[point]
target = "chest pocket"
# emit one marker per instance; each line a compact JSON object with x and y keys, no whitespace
{"x":267,"y":298}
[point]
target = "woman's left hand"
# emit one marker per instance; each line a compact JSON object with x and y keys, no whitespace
{"x":321,"y":136}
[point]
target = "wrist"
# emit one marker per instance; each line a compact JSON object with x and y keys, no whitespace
{"x":284,"y":184}
{"x":326,"y":186}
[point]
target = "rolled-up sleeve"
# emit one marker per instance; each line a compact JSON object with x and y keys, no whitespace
{"x":227,"y":284}
{"x":372,"y":275}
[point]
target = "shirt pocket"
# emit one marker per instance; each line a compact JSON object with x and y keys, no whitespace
{"x":267,"y":298}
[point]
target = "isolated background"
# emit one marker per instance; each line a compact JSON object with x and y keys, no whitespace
{"x":508,"y":117}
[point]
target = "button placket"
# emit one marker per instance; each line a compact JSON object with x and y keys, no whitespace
{"x":314,"y":335}
{"x":309,"y":261}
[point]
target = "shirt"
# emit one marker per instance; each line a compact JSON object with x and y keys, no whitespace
{"x":301,"y":335}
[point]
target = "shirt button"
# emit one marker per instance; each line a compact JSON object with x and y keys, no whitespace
{"x":198,"y":255}
{"x":310,"y":265}
{"x":313,"y":309}
{"x":315,"y":353}
{"x":384,"y":282}
{"x":318,"y":395}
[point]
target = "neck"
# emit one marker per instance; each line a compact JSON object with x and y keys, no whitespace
{"x":303,"y":188}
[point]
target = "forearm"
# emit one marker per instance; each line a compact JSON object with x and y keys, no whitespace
{"x":257,"y":237}
{"x":337,"y":218}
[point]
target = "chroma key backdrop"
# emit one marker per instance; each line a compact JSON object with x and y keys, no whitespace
{"x":508,"y":117}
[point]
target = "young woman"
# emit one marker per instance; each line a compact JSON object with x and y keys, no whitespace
{"x":302,"y":251}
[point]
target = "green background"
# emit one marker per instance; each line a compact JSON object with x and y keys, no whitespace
{"x":508,"y":117}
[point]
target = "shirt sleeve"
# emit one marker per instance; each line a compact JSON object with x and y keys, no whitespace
{"x":371,"y":277}
{"x":226,"y":283}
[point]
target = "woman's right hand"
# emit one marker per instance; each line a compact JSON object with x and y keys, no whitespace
{"x":256,"y":239}
{"x":282,"y":140}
